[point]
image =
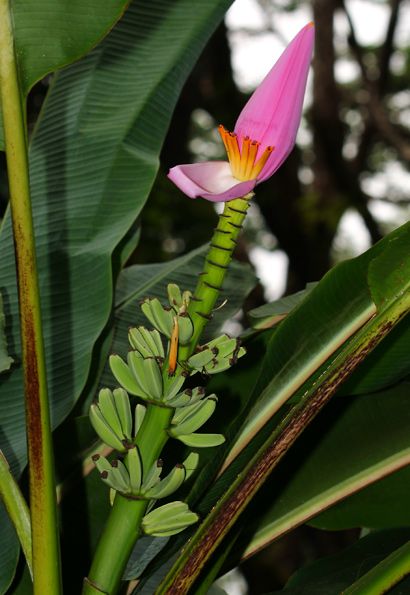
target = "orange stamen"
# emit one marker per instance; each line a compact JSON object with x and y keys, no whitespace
{"x":242,"y":159}
{"x":253,"y":150}
{"x":258,"y":166}
{"x":244,"y":156}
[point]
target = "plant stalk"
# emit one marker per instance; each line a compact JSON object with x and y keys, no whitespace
{"x":123,"y":526}
{"x":124,"y":522}
{"x":44,"y":525}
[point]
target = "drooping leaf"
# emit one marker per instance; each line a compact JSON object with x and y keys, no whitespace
{"x":5,"y":359}
{"x":94,"y":156}
{"x":50,"y":34}
{"x":353,"y":443}
{"x":330,"y":314}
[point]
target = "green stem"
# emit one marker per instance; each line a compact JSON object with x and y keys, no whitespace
{"x":382,"y":577}
{"x":44,"y":526}
{"x":210,"y":282}
{"x":17,"y":509}
{"x":123,"y":525}
{"x":124,"y":522}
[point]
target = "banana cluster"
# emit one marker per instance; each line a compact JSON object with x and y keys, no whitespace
{"x":111,"y":418}
{"x":216,"y":356}
{"x":163,"y":318}
{"x":154,"y":375}
{"x":128,"y":478}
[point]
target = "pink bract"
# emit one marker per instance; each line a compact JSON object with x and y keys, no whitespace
{"x":271,"y":117}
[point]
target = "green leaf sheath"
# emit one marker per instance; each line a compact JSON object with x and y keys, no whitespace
{"x":46,"y":564}
{"x":216,"y":264}
{"x":123,"y":525}
{"x":382,"y":577}
{"x":16,"y":508}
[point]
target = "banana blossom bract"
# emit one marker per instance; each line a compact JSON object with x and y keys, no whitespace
{"x":264,"y":133}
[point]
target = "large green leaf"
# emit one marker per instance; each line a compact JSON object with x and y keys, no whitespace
{"x":380,"y":505}
{"x":93,"y":158}
{"x":325,"y":319}
{"x":5,"y":359}
{"x":353,"y":443}
{"x":52,"y":33}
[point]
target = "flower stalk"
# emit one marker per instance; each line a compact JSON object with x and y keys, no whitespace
{"x":123,"y":527}
{"x":44,"y":525}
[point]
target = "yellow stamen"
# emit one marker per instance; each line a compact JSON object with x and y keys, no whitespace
{"x":242,"y":159}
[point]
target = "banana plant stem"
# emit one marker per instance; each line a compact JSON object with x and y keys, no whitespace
{"x":17,"y":509}
{"x":382,"y":577}
{"x":123,"y":525}
{"x":44,"y":525}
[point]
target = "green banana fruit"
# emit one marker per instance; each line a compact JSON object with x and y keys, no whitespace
{"x":123,"y":407}
{"x":161,"y":318}
{"x":172,"y":385}
{"x":152,"y":477}
{"x":148,"y":373}
{"x":168,"y":485}
{"x":174,"y":296}
{"x":186,"y":328}
{"x":108,"y":409}
{"x":134,"y":470}
{"x":170,"y":519}
{"x":191,"y":464}
{"x":139,"y":414}
{"x":147,"y":343}
{"x":124,"y":375}
{"x":104,"y":430}
{"x":201,"y":440}
{"x":189,"y":419}
{"x":199,"y":360}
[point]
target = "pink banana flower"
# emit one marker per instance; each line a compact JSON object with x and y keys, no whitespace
{"x":264,"y":133}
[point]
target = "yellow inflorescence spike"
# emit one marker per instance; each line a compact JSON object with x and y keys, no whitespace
{"x":242,"y":160}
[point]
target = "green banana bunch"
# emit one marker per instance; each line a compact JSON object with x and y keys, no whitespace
{"x":186,"y":420}
{"x":177,"y":300}
{"x":147,"y":343}
{"x":114,"y":474}
{"x":169,"y":519}
{"x":216,"y":355}
{"x":162,"y":318}
{"x":111,"y":418}
{"x":186,"y":397}
{"x":127,"y":477}
{"x":139,"y":376}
